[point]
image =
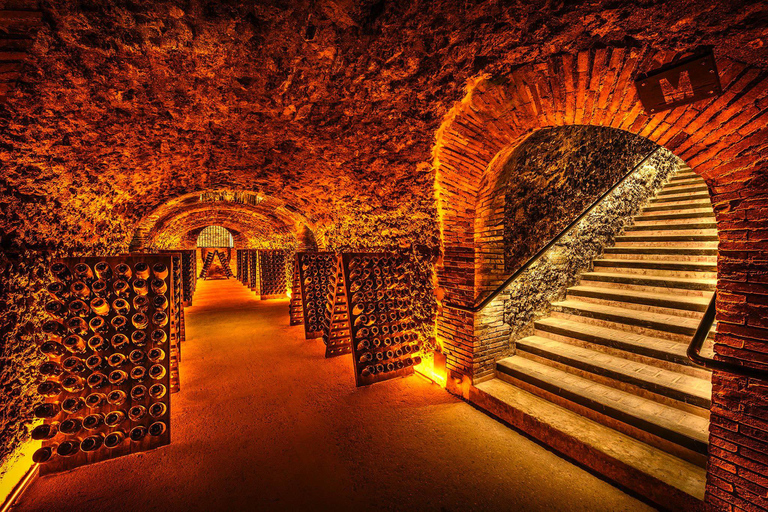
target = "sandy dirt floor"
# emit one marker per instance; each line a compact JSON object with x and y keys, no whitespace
{"x":264,"y":422}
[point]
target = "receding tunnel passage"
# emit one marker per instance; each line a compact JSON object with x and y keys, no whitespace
{"x":359,"y":254}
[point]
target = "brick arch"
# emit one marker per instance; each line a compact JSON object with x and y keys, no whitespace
{"x":724,"y":139}
{"x":255,"y":216}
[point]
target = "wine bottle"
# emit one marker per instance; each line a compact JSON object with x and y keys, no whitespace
{"x":160,"y":319}
{"x":116,"y":360}
{"x":72,"y":384}
{"x":156,"y":355}
{"x":61,"y":272}
{"x":71,"y":426}
{"x":92,"y":442}
{"x":74,"y":344}
{"x":160,"y":270}
{"x":140,"y":287}
{"x":114,"y":418}
{"x":158,"y":336}
{"x":120,"y":288}
{"x":157,"y":371}
{"x":99,"y":288}
{"x":97,"y":380}
{"x":57,"y":290}
{"x":54,"y":330}
{"x":97,"y":343}
{"x":103,"y":270}
{"x":365,"y":357}
{"x":83,"y":272}
{"x":121,"y":306}
{"x":139,"y":338}
{"x":53,"y":349}
{"x":142,"y":270}
{"x":138,"y":393}
{"x":138,"y":433}
{"x":44,"y":454}
{"x":95,"y":400}
{"x":117,"y":377}
{"x":49,"y":389}
{"x":138,"y":373}
{"x":136,"y":357}
{"x":98,"y":325}
{"x":158,"y":286}
{"x":140,"y":321}
{"x":116,"y":397}
{"x":157,"y":409}
{"x":156,"y":429}
{"x":93,"y":421}
{"x":137,"y":412}
{"x":80,"y":289}
{"x":73,"y":364}
{"x":77,"y":325}
{"x":45,"y":431}
{"x":72,"y":405}
{"x":56,"y":310}
{"x":123,"y":271}
{"x":50,"y":369}
{"x":46,"y":410}
{"x":160,"y":302}
{"x":68,"y":448}
{"x":141,"y":303}
{"x":157,"y":391}
{"x":119,"y":340}
{"x":114,"y":439}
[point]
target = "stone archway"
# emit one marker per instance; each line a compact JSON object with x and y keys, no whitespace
{"x":723,"y":139}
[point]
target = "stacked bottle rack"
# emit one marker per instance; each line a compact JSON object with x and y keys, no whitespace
{"x":106,"y":382}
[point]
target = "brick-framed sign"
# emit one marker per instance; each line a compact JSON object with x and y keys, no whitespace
{"x":679,"y":83}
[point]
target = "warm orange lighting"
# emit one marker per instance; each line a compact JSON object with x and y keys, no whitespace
{"x":427,"y":369}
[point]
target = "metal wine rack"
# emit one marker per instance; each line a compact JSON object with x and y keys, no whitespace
{"x":107,"y":379}
{"x":337,"y":336}
{"x":385,"y":343}
{"x":295,"y":306}
{"x":272,"y":274}
{"x":317,"y":271}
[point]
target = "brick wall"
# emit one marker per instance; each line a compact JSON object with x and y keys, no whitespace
{"x":723,"y":139}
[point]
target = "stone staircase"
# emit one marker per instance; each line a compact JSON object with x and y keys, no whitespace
{"x":605,"y":377}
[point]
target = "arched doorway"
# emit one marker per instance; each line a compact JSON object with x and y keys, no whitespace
{"x":217,"y":242}
{"x":722,"y":139}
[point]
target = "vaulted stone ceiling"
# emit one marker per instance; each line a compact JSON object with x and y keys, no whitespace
{"x":329,"y":106}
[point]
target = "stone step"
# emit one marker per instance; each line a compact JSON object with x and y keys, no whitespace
{"x":676,"y":426}
{"x":667,"y":354}
{"x":643,"y":322}
{"x":661,"y":300}
{"x":675,"y":237}
{"x":668,"y":283}
{"x":667,"y":252}
{"x":672,"y":225}
{"x":694,"y":196}
{"x":682,"y":266}
{"x":699,"y":204}
{"x":672,"y":189}
{"x":686,"y":180}
{"x":695,"y":215}
{"x":669,"y":481}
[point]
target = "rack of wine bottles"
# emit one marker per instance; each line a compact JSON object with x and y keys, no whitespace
{"x":177,"y":318}
{"x":253,"y":271}
{"x":385,"y":343}
{"x":207,"y":264}
{"x":239,"y":259}
{"x":225,"y":264}
{"x":272,"y":274}
{"x":337,"y":336}
{"x":295,"y":306}
{"x":317,"y":270}
{"x":189,"y":275}
{"x":243,"y":265}
{"x":105,"y":385}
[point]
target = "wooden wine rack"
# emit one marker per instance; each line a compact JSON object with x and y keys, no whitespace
{"x":189,"y":275}
{"x":272,"y":274}
{"x":337,"y":337}
{"x":384,"y":340}
{"x":207,"y":264}
{"x":225,"y":265}
{"x":295,"y":306}
{"x":317,"y":271}
{"x":69,"y":367}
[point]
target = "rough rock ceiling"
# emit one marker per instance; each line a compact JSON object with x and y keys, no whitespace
{"x":329,"y":106}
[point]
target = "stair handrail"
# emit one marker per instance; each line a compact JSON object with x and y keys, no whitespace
{"x":697,"y":342}
{"x":533,"y":259}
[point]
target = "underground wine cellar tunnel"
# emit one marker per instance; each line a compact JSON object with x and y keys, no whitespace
{"x":345,"y":254}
